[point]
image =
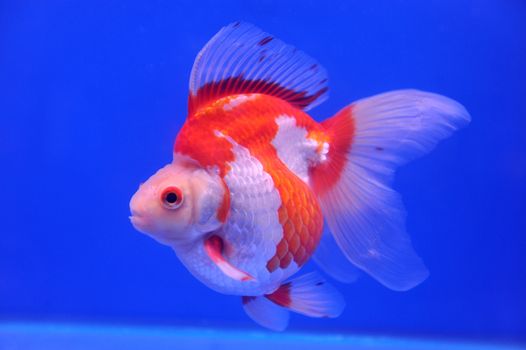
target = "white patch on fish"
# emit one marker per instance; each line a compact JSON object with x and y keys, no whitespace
{"x":295,"y":149}
{"x":236,"y":101}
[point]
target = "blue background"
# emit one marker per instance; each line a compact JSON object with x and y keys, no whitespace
{"x":92,"y":94}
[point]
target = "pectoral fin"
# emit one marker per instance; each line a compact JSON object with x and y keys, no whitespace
{"x":214,"y":248}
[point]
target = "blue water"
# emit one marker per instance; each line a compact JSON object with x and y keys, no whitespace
{"x":92,"y":94}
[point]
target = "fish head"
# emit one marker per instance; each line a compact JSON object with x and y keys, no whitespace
{"x":175,"y":205}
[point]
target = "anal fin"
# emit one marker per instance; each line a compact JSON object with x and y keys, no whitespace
{"x":266,"y":313}
{"x":309,"y":295}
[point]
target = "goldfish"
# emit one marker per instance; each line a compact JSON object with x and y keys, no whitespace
{"x":257,"y":187}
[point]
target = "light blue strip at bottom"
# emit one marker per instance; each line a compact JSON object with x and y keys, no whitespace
{"x":25,"y":336}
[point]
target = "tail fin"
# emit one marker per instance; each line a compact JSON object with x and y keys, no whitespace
{"x":309,"y":295}
{"x":332,"y":261}
{"x":370,"y":138}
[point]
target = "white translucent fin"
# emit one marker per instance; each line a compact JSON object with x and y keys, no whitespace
{"x":365,"y":215}
{"x":309,"y":295}
{"x":241,"y":59}
{"x":266,"y":313}
{"x":331,"y":260}
{"x":398,"y":126}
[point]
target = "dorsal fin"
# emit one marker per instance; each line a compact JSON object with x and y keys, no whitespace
{"x":241,"y":58}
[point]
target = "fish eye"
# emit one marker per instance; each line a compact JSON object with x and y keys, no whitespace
{"x":172,"y":197}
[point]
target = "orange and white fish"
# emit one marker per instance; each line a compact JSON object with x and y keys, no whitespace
{"x":254,"y":177}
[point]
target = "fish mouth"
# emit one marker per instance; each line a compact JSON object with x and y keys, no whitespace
{"x":133,"y":219}
{"x":138,"y":222}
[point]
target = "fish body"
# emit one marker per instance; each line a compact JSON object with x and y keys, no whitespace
{"x":254,"y":178}
{"x":262,"y":148}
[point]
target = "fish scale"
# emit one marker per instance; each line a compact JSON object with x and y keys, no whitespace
{"x":300,"y":214}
